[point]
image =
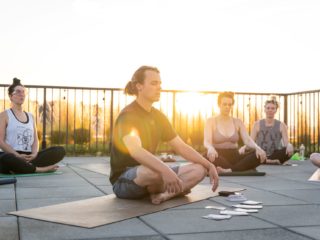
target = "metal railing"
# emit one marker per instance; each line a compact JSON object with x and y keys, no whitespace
{"x":82,"y":119}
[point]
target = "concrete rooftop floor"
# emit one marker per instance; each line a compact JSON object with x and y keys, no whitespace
{"x":291,"y":207}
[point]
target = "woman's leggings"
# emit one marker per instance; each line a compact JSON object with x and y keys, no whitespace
{"x":281,"y":155}
{"x":230,"y":158}
{"x":9,"y":163}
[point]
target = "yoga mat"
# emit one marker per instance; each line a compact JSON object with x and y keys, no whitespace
{"x":94,"y":212}
{"x":29,"y":174}
{"x":315,"y":176}
{"x":245,"y":173}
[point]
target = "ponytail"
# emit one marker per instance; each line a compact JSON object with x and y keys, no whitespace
{"x":130,"y":89}
{"x":138,"y":77}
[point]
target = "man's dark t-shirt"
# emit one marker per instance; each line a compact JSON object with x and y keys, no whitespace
{"x":152,"y":127}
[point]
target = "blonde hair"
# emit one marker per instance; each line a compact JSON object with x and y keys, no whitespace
{"x":272,"y":99}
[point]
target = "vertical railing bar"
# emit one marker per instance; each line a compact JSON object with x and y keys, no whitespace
{"x":97,"y":118}
{"x":299,"y":120}
{"x":243,"y":108}
{"x":290,"y":119}
{"x":59,"y":124}
{"x":104,"y":122}
{"x":90,"y":120}
{"x":305,"y":120}
{"x":285,"y":117}
{"x":74,"y":122}
{"x":44,"y":118}
{"x":4,"y":98}
{"x":310,"y":122}
{"x":82,"y":120}
{"x":318,"y":120}
{"x":111,"y":119}
{"x":314,"y":123}
{"x":67,"y":120}
{"x":37,"y":107}
{"x":249,"y":109}
{"x":52,"y":116}
{"x":255,"y":109}
{"x":296,"y":115}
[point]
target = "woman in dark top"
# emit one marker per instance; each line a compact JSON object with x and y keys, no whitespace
{"x":221,"y":135}
{"x":272,"y":135}
{"x":19,"y":141}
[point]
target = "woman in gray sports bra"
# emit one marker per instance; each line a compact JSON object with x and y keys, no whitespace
{"x":19,"y":140}
{"x":272,"y":135}
{"x":221,"y":136}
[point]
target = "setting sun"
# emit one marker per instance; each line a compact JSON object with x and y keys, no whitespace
{"x":193,"y":104}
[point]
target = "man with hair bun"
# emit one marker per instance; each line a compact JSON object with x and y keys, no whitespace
{"x":135,"y":171}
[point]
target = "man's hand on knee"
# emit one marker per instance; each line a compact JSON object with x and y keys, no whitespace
{"x":214,"y":178}
{"x":172,"y":183}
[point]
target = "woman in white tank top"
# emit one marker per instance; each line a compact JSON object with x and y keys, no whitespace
{"x":19,"y":141}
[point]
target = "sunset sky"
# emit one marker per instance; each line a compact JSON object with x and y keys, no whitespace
{"x":237,"y":45}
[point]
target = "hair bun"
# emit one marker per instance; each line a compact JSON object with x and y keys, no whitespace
{"x":273,"y":98}
{"x":16,"y":81}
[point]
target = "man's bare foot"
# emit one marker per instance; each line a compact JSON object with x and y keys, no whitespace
{"x":223,"y":170}
{"x":51,"y":168}
{"x":273,"y":161}
{"x":158,"y":198}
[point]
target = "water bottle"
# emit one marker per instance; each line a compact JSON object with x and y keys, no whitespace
{"x":301,"y":152}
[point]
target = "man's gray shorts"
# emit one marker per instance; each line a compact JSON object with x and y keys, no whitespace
{"x":126,"y":188}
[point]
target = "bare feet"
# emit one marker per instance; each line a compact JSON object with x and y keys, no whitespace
{"x":51,"y":168}
{"x":161,"y":197}
{"x":223,"y":170}
{"x":167,"y":158}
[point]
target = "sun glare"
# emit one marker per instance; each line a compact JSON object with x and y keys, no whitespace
{"x":134,"y":133}
{"x":192,"y":103}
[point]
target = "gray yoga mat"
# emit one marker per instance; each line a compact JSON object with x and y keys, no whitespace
{"x":94,"y":212}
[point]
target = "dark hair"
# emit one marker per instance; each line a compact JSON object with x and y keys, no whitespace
{"x":272,"y":100}
{"x":138,"y":77}
{"x":225,"y":95}
{"x":15,"y":82}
